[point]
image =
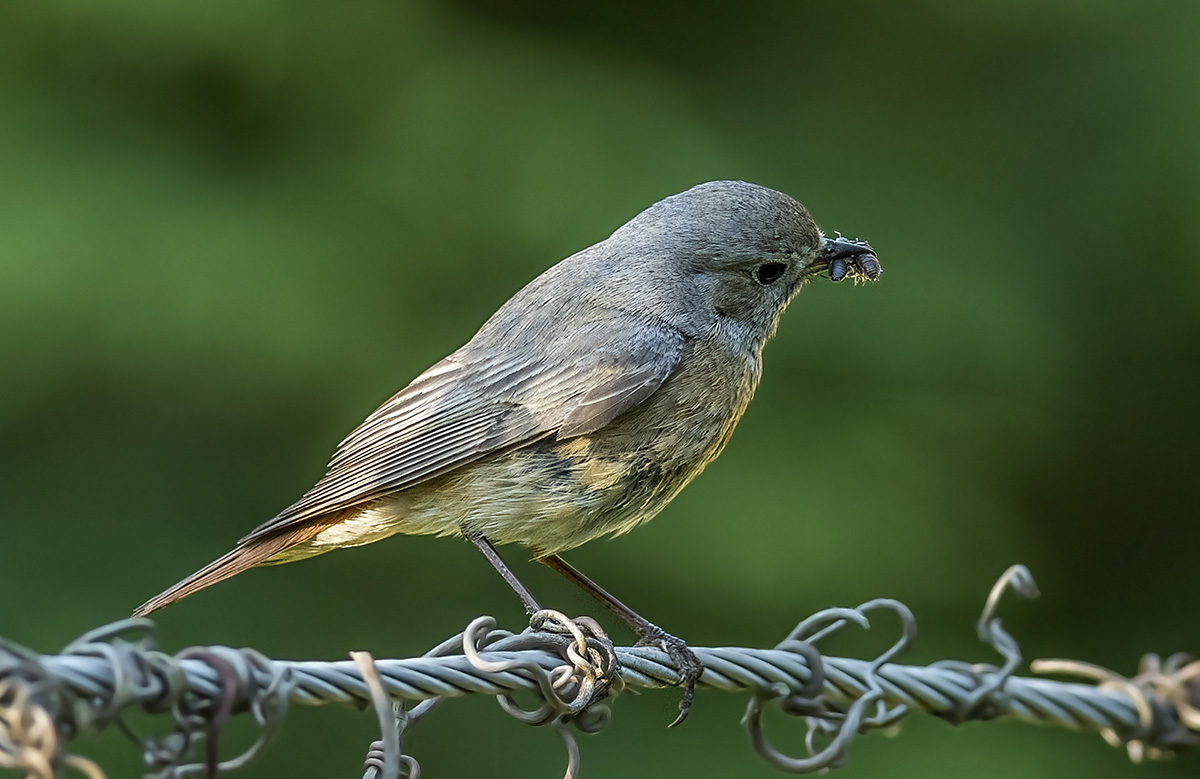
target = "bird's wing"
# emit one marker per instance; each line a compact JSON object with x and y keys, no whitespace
{"x":469,"y":405}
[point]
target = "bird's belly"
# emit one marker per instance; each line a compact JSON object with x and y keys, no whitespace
{"x":549,"y":496}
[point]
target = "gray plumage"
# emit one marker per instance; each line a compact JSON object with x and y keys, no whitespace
{"x":585,"y":403}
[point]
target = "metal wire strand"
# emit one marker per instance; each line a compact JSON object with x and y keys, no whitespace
{"x":572,"y":671}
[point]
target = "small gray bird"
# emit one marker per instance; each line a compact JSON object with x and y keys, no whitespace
{"x":582,"y":407}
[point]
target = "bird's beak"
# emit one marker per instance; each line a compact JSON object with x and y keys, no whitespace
{"x":843,"y":257}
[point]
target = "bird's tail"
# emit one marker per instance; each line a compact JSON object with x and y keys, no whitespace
{"x":254,"y":552}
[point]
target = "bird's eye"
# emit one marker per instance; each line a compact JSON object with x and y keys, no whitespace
{"x":769,"y":272}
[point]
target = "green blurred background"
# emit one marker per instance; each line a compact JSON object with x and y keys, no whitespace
{"x":229,"y":230}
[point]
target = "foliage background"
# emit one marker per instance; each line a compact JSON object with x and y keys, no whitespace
{"x":229,"y":230}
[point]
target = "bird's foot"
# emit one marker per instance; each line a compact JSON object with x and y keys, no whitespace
{"x":589,"y":650}
{"x":687,"y":664}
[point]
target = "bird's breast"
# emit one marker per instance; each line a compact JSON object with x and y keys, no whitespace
{"x":626,"y":472}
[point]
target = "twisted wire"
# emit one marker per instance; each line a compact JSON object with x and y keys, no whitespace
{"x":934,"y":689}
{"x":572,"y":669}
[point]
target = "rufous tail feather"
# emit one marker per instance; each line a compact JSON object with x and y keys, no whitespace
{"x":249,"y":555}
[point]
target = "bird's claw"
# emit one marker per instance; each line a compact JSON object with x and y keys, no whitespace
{"x":687,"y":664}
{"x":588,"y":649}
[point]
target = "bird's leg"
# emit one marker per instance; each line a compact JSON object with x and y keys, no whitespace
{"x":603,"y":672}
{"x":648,"y":633}
{"x":489,"y":552}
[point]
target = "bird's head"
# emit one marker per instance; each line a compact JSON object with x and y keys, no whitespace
{"x":729,"y":252}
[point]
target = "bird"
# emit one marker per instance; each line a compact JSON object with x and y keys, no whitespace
{"x":582,"y":406}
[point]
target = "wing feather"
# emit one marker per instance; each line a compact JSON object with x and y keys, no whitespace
{"x":472,"y":404}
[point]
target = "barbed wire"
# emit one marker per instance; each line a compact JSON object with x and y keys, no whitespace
{"x":571,"y":669}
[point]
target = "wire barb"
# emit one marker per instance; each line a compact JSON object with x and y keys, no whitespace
{"x":981,"y":703}
{"x":1165,"y":695}
{"x":825,"y":718}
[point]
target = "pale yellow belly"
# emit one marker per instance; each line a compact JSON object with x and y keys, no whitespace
{"x":555,"y":495}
